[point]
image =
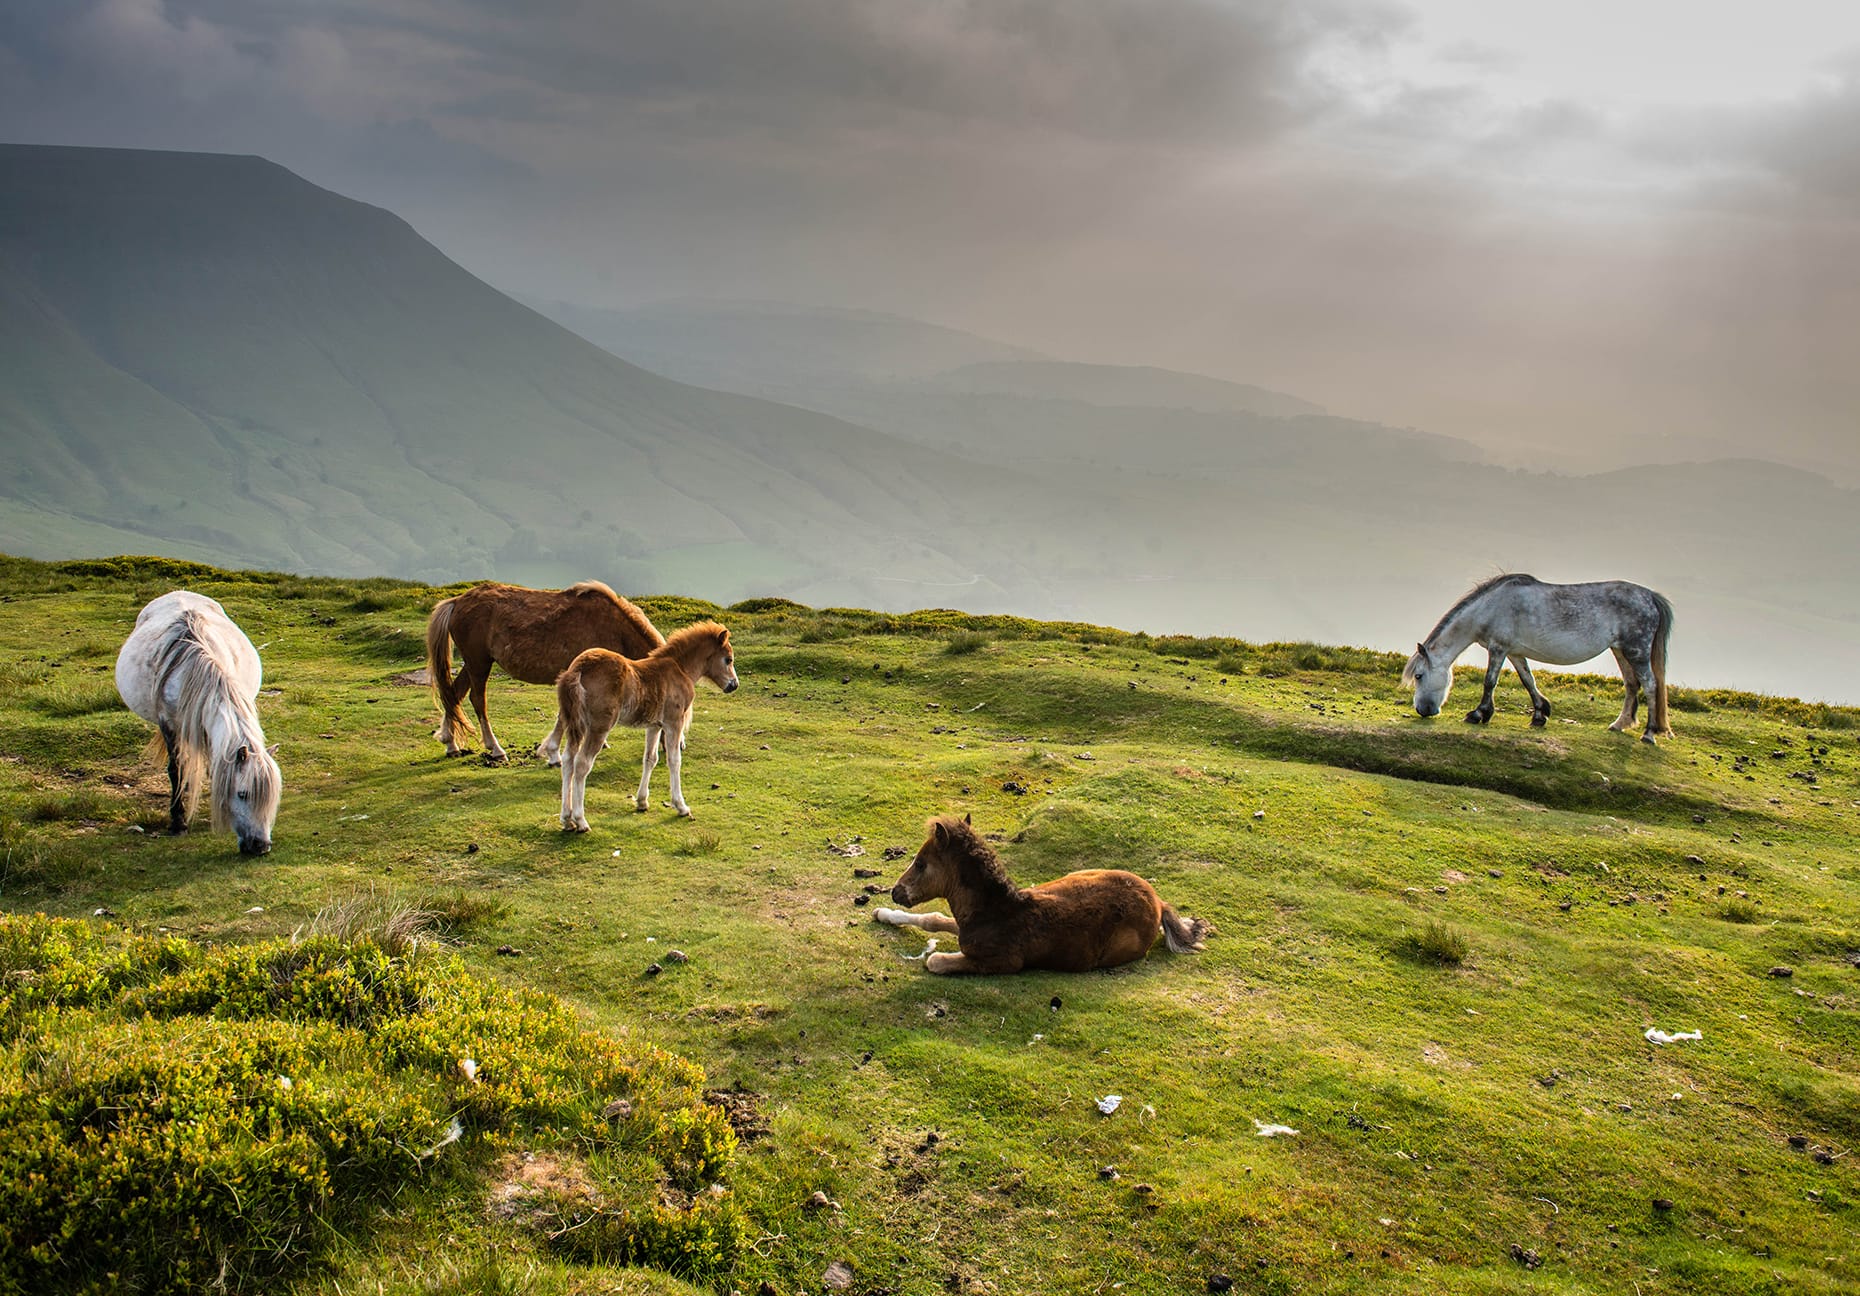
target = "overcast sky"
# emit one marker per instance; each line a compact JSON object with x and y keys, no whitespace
{"x":1558,"y":228}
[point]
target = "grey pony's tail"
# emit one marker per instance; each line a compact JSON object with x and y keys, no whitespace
{"x":1656,"y":703}
{"x":1185,"y":935}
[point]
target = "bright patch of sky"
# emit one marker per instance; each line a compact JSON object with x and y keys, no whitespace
{"x":1629,"y":54}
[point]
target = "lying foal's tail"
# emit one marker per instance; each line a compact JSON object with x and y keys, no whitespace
{"x":1657,"y":722}
{"x":1185,"y":935}
{"x":439,"y":666}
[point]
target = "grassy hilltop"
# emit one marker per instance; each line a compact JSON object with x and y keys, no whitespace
{"x":1437,"y":947}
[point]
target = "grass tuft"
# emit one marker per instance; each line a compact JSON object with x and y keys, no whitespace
{"x":1437,"y":943}
{"x":964,"y":642}
{"x":1738,"y":910}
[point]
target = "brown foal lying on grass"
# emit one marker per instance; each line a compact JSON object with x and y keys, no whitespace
{"x":1094,"y":918}
{"x":601,"y":689}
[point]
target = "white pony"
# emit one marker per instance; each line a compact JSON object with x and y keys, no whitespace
{"x":188,"y":670}
{"x":1521,"y":617}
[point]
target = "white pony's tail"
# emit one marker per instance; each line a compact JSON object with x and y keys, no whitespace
{"x":1185,"y":935}
{"x":1656,"y":702}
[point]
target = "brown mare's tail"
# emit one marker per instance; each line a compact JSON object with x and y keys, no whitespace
{"x":439,"y":666}
{"x":1185,"y":935}
{"x":1656,"y":701}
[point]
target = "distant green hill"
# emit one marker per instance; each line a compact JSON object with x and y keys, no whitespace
{"x":208,"y":355}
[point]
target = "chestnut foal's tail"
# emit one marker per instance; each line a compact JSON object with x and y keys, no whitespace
{"x":439,"y":666}
{"x":571,"y":699}
{"x":1185,"y":935}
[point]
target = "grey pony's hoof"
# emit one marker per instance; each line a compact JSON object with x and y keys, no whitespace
{"x":1478,"y":715}
{"x":1540,"y":719}
{"x":1649,"y":740}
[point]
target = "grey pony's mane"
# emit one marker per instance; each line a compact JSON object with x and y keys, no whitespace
{"x":205,"y":692}
{"x":1477,"y":592}
{"x":1471,"y":596}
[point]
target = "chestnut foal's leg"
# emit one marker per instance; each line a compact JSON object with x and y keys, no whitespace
{"x":650,"y":763}
{"x":674,"y":761}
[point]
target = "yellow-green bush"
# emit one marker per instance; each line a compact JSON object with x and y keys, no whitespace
{"x":174,"y":1117}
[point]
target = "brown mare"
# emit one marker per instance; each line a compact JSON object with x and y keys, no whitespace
{"x":1094,"y":918}
{"x":532,"y":634}
{"x":601,"y":689}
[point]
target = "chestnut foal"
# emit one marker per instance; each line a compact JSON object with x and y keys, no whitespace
{"x":1094,"y":918}
{"x":601,"y":689}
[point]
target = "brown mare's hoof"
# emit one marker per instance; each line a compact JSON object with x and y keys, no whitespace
{"x":1649,"y":740}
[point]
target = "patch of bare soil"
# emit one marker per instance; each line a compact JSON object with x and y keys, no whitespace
{"x":529,"y":1185}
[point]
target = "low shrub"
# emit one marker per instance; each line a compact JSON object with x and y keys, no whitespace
{"x":174,"y":1118}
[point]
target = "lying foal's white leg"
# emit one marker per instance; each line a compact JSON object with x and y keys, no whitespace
{"x":551,"y":748}
{"x":935,"y":922}
{"x":650,"y":763}
{"x":674,"y":760}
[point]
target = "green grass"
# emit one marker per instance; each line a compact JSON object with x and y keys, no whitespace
{"x":1447,"y":1109}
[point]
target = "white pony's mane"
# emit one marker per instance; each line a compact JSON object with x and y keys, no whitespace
{"x":209,"y":714}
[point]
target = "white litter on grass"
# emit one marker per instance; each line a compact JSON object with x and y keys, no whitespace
{"x":1109,"y":1103}
{"x":468,"y":1067}
{"x":354,"y":818}
{"x":1657,"y":1036}
{"x":454,"y":1132}
{"x":256,"y":909}
{"x":1271,"y":1131}
{"x":918,"y":958}
{"x":284,"y":1083}
{"x":616,"y":855}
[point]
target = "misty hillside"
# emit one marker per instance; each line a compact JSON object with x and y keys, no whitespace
{"x":210,"y":356}
{"x":1142,"y":386}
{"x":771,"y":348}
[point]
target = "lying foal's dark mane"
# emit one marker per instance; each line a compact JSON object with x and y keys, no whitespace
{"x":975,"y":859}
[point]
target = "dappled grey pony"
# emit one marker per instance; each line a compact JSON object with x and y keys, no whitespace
{"x":1520,"y":617}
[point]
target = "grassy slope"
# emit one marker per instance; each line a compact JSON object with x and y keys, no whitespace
{"x":1430,"y":1141}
